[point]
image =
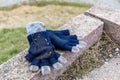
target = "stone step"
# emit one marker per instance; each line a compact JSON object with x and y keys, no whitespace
{"x":89,"y":29}
{"x":110,"y":17}
{"x":109,"y":71}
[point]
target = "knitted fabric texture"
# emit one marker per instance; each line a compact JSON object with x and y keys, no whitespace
{"x":43,"y":44}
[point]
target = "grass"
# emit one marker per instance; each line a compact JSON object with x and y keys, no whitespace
{"x":12,"y":41}
{"x":45,"y":3}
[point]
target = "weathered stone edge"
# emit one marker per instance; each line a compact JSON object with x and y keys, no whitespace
{"x":91,"y":39}
{"x":111,"y":28}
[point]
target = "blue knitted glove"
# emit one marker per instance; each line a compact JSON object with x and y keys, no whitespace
{"x":44,"y":64}
{"x":38,"y":63}
{"x":64,"y":42}
{"x":41,"y":53}
{"x":65,"y":32}
{"x":54,"y":60}
{"x":35,"y":65}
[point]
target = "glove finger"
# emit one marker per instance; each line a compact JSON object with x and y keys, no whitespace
{"x":68,"y":48}
{"x":63,"y":60}
{"x":82,"y":44}
{"x":35,"y":62}
{"x":75,"y":49}
{"x":34,"y":67}
{"x":61,"y":32}
{"x":65,"y":32}
{"x":45,"y":62}
{"x":73,"y":37}
{"x":55,"y":55}
{"x":74,"y":41}
{"x":45,"y":70}
{"x":45,"y":67}
{"x":60,"y":58}
{"x":29,"y":57}
{"x":57,"y":66}
{"x":72,"y":44}
{"x":52,"y":60}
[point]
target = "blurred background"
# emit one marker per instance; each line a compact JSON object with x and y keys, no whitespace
{"x":114,"y":3}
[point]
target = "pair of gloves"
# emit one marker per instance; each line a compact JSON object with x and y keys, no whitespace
{"x":42,"y":54}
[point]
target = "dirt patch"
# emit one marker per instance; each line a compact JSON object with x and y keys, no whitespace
{"x":52,"y":15}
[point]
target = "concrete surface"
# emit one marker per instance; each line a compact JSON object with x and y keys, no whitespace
{"x":111,"y":18}
{"x":87,"y":28}
{"x":110,"y":71}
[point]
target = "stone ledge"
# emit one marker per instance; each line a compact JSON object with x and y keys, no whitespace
{"x":87,"y":28}
{"x":111,"y":19}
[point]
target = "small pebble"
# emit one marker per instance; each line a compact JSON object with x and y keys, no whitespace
{"x":106,"y":62}
{"x":117,"y":49}
{"x":117,"y":54}
{"x":110,"y":55}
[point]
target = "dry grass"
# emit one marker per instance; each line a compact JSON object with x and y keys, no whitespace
{"x":90,"y":59}
{"x":52,"y":15}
